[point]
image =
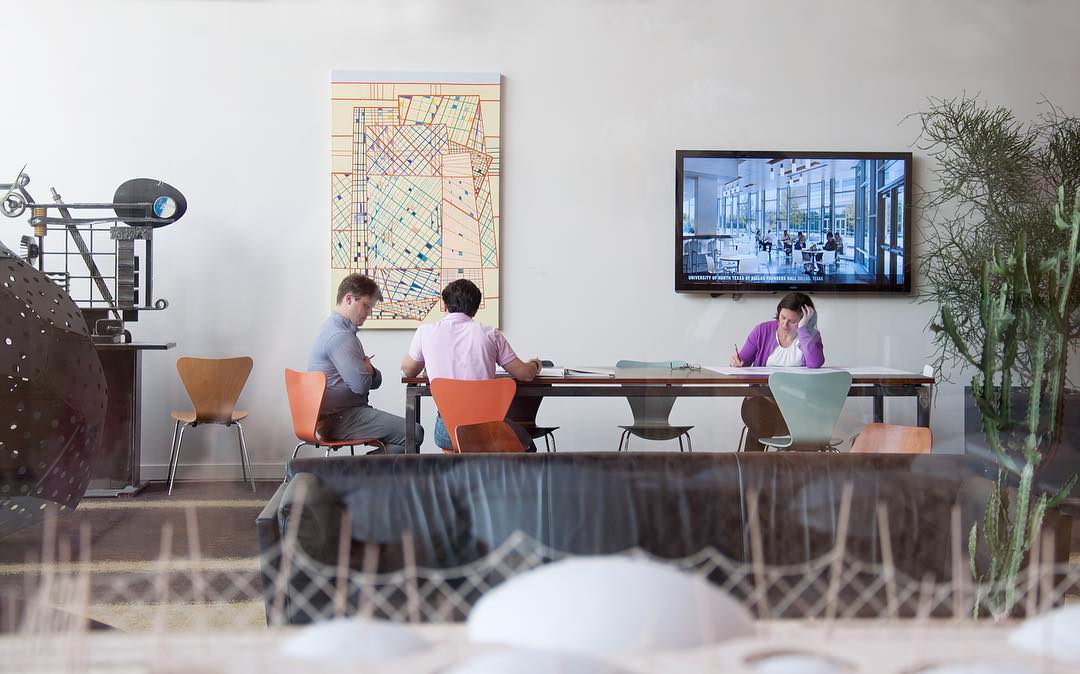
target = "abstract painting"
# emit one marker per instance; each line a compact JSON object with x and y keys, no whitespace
{"x":415,"y":189}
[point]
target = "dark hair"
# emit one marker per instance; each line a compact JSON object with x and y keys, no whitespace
{"x":358,"y":286}
{"x":461,"y":297}
{"x":795,"y":302}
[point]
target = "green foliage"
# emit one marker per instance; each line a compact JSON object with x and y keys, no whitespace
{"x":1023,"y":307}
{"x":997,"y":180}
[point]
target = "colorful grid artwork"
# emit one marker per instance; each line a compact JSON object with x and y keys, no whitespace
{"x":415,"y":189}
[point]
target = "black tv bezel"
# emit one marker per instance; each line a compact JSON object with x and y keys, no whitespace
{"x":722,"y":287}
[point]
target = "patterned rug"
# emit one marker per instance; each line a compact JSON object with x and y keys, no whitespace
{"x":212,"y":578}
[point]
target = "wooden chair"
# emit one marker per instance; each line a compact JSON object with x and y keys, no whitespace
{"x":214,"y":385}
{"x":305,"y":391}
{"x":462,"y":402}
{"x":892,"y":439}
{"x":494,"y":437}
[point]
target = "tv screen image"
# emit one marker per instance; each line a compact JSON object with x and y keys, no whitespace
{"x":778,"y":221}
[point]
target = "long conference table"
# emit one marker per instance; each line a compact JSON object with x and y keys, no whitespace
{"x":875,"y":382}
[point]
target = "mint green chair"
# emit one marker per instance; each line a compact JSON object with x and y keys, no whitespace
{"x":810,"y":402}
{"x":651,"y":412}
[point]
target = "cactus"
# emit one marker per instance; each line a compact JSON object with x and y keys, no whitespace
{"x":1023,"y":305}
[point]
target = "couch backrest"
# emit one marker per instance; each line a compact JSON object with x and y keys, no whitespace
{"x":459,"y":507}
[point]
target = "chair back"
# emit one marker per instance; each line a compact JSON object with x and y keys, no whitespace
{"x":305,"y":391}
{"x":214,"y":385}
{"x":463,"y":402}
{"x":523,"y":409}
{"x":893,"y":439}
{"x":810,"y":402}
{"x":828,"y":257}
{"x":641,"y":364}
{"x":649,"y":409}
{"x":492,"y":437}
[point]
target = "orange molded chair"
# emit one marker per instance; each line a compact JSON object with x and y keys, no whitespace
{"x":214,"y":386}
{"x":305,"y":391}
{"x":495,"y":437}
{"x":892,"y":439}
{"x":463,"y":402}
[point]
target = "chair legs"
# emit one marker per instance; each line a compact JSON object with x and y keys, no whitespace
{"x":624,"y":442}
{"x":172,"y":447}
{"x":689,"y":444}
{"x":245,"y":463}
{"x":352,"y":448}
{"x":178,"y":441}
{"x":742,"y":438}
{"x":550,"y":446}
{"x":174,"y":456}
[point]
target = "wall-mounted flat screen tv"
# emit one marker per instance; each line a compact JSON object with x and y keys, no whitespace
{"x":779,"y":221}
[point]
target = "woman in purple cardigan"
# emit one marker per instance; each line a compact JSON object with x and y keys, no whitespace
{"x":789,"y":340}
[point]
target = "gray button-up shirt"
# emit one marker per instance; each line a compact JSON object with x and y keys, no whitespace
{"x":338,"y":353}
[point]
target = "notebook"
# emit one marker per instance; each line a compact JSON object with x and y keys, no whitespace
{"x":577,"y":372}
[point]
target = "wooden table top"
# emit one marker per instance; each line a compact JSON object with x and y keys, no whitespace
{"x":704,"y":376}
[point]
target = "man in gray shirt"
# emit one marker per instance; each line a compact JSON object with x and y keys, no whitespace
{"x":337,"y":352}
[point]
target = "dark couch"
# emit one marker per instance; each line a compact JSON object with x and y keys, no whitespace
{"x":460,"y":507}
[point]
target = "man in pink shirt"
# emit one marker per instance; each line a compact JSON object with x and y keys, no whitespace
{"x":458,"y":347}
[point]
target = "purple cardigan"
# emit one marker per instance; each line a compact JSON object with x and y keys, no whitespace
{"x":762,"y":342}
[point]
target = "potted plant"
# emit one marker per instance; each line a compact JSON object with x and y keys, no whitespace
{"x":1000,"y":263}
{"x":1023,"y":304}
{"x":996,"y":178}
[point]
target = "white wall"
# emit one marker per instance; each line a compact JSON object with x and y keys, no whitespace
{"x":228,"y":102}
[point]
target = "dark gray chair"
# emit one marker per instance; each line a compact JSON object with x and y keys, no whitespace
{"x":523,"y":412}
{"x":651,"y":413}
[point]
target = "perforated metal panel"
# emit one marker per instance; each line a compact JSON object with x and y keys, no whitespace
{"x":52,"y":395}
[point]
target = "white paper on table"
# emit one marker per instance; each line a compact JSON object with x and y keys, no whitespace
{"x":859,"y":370}
{"x":727,"y":369}
{"x":874,"y":369}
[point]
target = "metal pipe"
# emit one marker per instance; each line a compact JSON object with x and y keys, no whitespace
{"x":88,"y":205}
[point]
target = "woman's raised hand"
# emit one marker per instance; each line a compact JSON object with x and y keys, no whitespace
{"x":807,"y":314}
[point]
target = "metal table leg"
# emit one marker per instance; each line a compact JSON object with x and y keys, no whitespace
{"x":924,"y":395}
{"x":412,"y":414}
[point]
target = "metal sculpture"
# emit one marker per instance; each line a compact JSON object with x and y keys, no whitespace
{"x":52,"y":395}
{"x":139,"y":206}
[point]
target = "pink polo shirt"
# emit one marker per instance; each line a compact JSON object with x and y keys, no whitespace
{"x":457,"y":347}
